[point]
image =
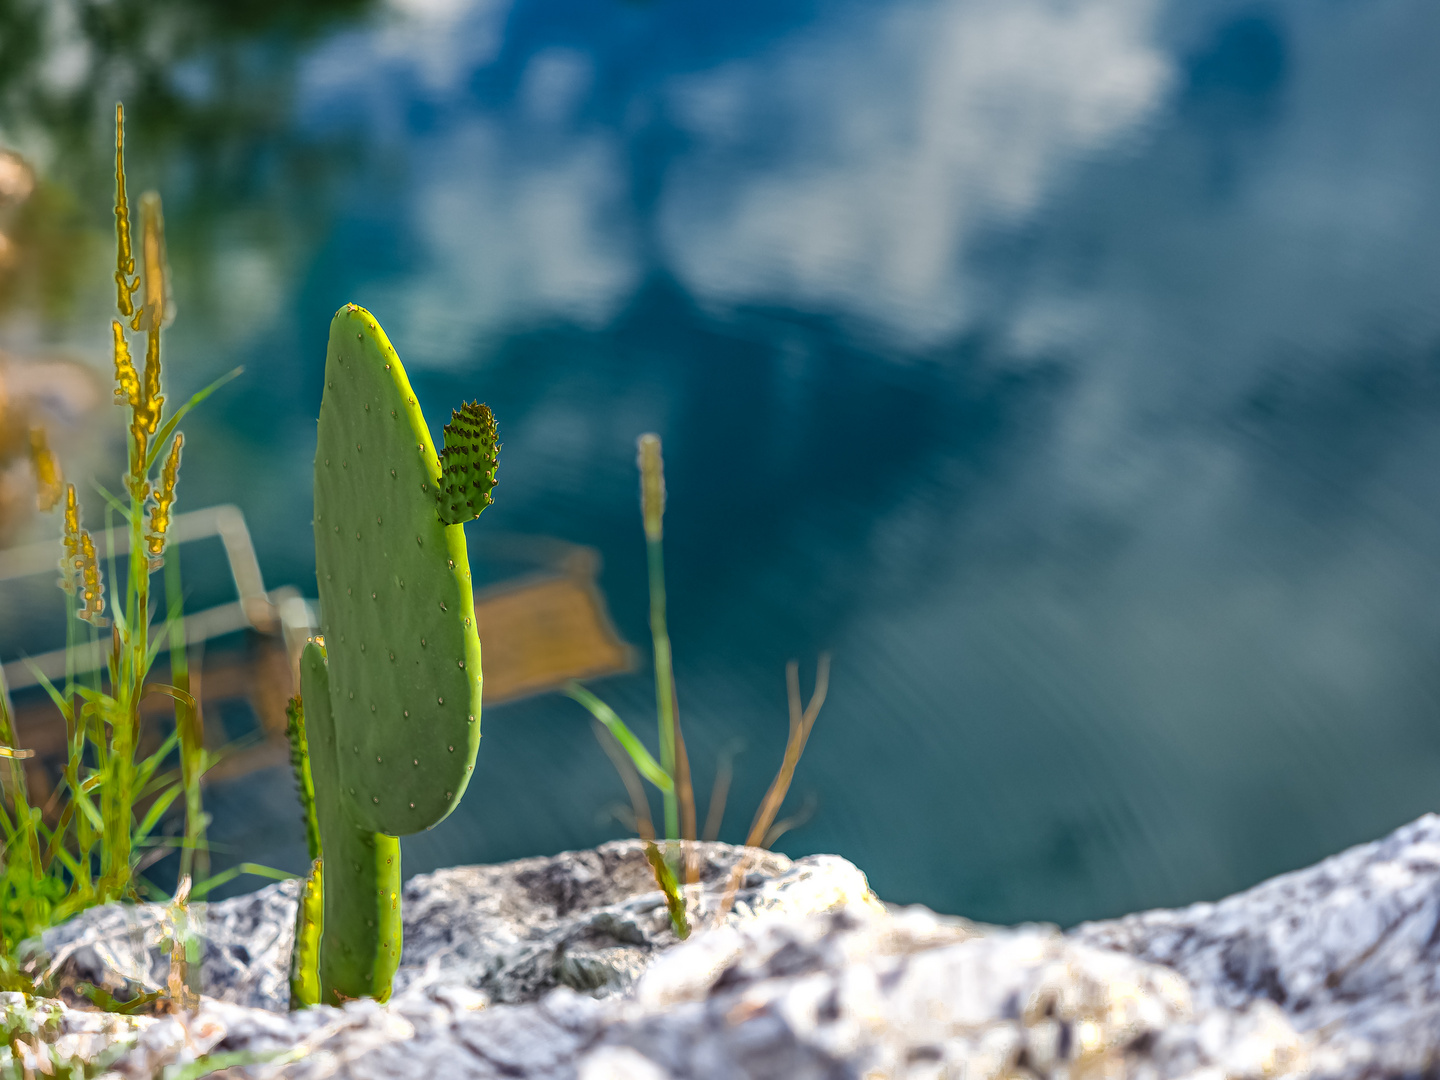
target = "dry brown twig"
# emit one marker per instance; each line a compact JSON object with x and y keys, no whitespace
{"x":801,"y":721}
{"x":719,"y":793}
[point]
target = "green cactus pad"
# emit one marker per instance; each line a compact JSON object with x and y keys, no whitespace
{"x":395,"y":593}
{"x":300,"y":763}
{"x":309,"y":912}
{"x":305,"y":954}
{"x":362,"y":933}
{"x":467,"y":463}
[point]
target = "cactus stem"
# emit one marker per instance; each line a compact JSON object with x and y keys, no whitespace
{"x":362,"y":962}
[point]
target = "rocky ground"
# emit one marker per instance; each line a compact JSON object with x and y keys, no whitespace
{"x":567,"y":967}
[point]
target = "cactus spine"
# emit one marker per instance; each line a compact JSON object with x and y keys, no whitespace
{"x":392,"y":695}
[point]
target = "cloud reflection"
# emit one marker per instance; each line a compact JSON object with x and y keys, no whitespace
{"x":887,"y":140}
{"x":844,"y":169}
{"x":1140,"y":568}
{"x":509,"y":242}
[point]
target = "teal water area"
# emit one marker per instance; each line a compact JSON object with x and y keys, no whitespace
{"x":1069,"y":371}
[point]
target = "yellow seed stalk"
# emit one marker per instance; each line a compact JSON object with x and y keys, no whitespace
{"x":160,"y":513}
{"x":125,"y":262}
{"x":48,"y":481}
{"x":69,"y":579}
{"x":127,"y":379}
{"x":92,"y":586}
{"x":652,"y":486}
{"x":157,"y":272}
{"x":89,"y":851}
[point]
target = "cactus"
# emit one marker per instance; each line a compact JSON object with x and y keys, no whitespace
{"x":305,"y":954}
{"x":304,"y":783}
{"x":360,"y":909}
{"x":309,"y":911}
{"x":392,"y":695}
{"x":470,"y":448}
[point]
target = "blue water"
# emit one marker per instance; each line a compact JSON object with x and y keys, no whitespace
{"x":1070,"y":371}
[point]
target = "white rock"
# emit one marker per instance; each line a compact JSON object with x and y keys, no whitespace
{"x":1349,"y":949}
{"x":567,"y":969}
{"x":587,"y":919}
{"x":620,"y":1063}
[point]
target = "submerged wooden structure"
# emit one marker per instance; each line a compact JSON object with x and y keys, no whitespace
{"x":536,"y":630}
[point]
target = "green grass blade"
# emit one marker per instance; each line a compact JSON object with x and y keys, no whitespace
{"x":105,"y":1001}
{"x":209,"y":1064}
{"x":158,"y":444}
{"x":115,"y":504}
{"x":68,"y":861}
{"x":48,"y":686}
{"x":162,"y":641}
{"x":155,"y":813}
{"x":644,"y":762}
{"x":87,"y":805}
{"x":670,"y":886}
{"x":226,"y":876}
{"x":159,"y":783}
{"x":151,"y":763}
{"x":117,"y":609}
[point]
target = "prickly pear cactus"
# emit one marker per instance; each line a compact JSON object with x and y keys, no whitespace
{"x":300,"y":764}
{"x":305,"y":953}
{"x":395,"y":596}
{"x":309,"y":912}
{"x":392,"y":698}
{"x":360,"y":927}
{"x":467,"y":463}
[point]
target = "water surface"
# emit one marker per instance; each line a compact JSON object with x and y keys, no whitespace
{"x":1070,"y":371}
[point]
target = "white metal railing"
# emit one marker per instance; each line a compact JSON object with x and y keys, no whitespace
{"x":282,"y":609}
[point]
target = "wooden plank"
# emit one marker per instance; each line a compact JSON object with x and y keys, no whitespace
{"x":536,"y":634}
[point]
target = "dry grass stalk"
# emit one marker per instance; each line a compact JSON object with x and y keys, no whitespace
{"x":801,"y":721}
{"x":719,"y":793}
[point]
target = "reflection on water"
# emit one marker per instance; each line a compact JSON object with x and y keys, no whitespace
{"x":1069,"y":370}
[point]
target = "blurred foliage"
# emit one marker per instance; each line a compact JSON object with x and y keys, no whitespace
{"x":44,"y":242}
{"x":64,"y":62}
{"x":208,"y":87}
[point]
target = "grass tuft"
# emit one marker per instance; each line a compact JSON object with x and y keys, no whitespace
{"x":671,"y":773}
{"x":90,"y":843}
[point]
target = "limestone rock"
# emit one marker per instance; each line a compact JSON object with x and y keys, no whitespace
{"x":590,"y":920}
{"x":1349,"y":949}
{"x":125,"y":949}
{"x":919,"y":995}
{"x":851,"y":992}
{"x":567,"y":969}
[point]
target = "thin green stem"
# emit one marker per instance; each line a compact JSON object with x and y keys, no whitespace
{"x":78,"y":729}
{"x":664,"y":682}
{"x":187,"y":723}
{"x":26,"y":839}
{"x":644,"y":763}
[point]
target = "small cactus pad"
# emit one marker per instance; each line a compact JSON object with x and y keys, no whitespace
{"x":360,"y":881}
{"x":395,"y":595}
{"x":467,"y":463}
{"x":300,"y":763}
{"x":305,"y":953}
